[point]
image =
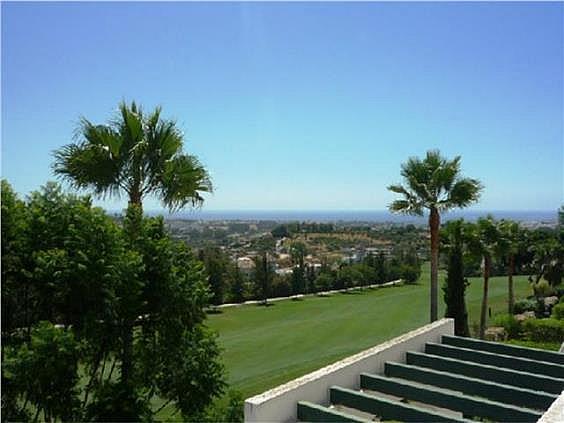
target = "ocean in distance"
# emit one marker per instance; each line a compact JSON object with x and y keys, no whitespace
{"x":377,"y":216}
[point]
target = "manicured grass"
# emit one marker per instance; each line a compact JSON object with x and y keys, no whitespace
{"x":267,"y":346}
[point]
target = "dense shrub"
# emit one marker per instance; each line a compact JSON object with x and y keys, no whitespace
{"x":44,"y":371}
{"x":524,"y":305}
{"x":281,"y":287}
{"x":90,"y":280}
{"x":548,"y":330}
{"x":543,"y":289}
{"x":558,"y":311}
{"x":511,"y":325}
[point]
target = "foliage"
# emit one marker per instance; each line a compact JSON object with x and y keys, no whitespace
{"x":349,"y":276}
{"x":455,"y":285}
{"x":558,"y":311}
{"x":324,"y":281}
{"x":547,"y":249}
{"x":434,"y":183}
{"x":282,"y":285}
{"x":263,"y":275}
{"x":230,"y":410}
{"x":299,"y":282}
{"x":524,"y":305}
{"x":136,"y":153}
{"x":410,"y":273}
{"x":115,"y":402}
{"x":511,"y":325}
{"x":15,"y":287}
{"x":237,"y":285}
{"x":551,"y":346}
{"x":44,"y":372}
{"x":482,"y":239}
{"x":544,"y":330}
{"x":217,"y":265}
{"x":280,"y":231}
{"x":132,"y":300}
{"x":543,"y":289}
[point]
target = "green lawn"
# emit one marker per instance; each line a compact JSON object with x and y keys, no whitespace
{"x":267,"y":346}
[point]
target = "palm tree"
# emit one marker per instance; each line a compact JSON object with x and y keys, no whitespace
{"x":510,"y":244}
{"x":435,"y":184}
{"x":483,"y":241}
{"x":137,"y":154}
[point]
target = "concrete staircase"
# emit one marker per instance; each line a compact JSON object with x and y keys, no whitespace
{"x":458,"y":380}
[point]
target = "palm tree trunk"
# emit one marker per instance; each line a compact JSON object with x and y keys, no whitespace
{"x":510,"y":272}
{"x":434,"y":224}
{"x":484,"y":310}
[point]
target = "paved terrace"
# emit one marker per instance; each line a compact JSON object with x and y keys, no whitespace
{"x":428,"y":375}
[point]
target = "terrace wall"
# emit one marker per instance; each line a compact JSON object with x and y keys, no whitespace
{"x":280,"y":404}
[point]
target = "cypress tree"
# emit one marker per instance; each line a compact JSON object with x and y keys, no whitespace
{"x":455,"y":284}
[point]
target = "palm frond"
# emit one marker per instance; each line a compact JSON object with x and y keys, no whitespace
{"x":406,"y":207}
{"x":465,"y":191}
{"x":88,"y":166}
{"x":183,"y":183}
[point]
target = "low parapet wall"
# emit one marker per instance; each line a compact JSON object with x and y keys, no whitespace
{"x":333,"y":291}
{"x":555,"y":414}
{"x":280,"y":404}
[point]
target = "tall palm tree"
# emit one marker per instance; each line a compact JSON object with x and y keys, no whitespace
{"x":137,"y":154}
{"x":434,"y":184}
{"x":510,"y":244}
{"x":483,"y":241}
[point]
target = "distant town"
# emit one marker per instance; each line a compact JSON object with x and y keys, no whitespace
{"x":327,"y":243}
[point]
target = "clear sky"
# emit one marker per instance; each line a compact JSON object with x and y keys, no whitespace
{"x":299,"y":106}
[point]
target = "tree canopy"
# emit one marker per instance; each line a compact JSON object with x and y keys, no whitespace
{"x":134,"y":153}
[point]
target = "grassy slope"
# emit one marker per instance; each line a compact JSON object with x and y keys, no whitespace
{"x":265,"y":347}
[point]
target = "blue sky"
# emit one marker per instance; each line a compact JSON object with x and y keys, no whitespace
{"x":295,"y":105}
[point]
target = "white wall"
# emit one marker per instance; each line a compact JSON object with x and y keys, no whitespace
{"x":555,"y":414}
{"x":280,"y":404}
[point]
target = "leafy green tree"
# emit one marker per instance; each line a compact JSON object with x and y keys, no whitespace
{"x":350,"y":276}
{"x":15,"y":283}
{"x":483,"y":238}
{"x":324,"y":281}
{"x":138,"y":301}
{"x":455,"y":284}
{"x":44,"y":374}
{"x":175,"y":356}
{"x":434,"y":183}
{"x":368,"y":274}
{"x":280,"y":231}
{"x":216,"y":264}
{"x":137,"y":154}
{"x":140,"y":155}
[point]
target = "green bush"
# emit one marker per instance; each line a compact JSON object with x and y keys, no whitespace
{"x":543,"y":289}
{"x":511,"y":325}
{"x":524,"y":305}
{"x":558,"y":311}
{"x":546,"y":330}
